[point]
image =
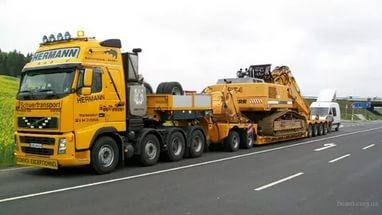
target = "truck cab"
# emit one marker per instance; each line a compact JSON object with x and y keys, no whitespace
{"x":82,"y":102}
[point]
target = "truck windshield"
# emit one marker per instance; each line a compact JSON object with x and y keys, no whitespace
{"x":46,"y":84}
{"x":321,"y":111}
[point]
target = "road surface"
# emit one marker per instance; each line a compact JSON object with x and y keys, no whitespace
{"x":340,"y":173}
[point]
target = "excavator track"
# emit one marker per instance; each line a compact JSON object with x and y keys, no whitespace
{"x":283,"y":123}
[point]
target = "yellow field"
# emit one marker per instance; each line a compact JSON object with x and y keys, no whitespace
{"x":8,"y":90}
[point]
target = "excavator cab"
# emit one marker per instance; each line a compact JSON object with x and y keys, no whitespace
{"x":261,"y":71}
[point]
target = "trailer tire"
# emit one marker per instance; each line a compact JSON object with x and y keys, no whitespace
{"x":173,"y":88}
{"x":176,"y":144}
{"x":329,"y":127}
{"x":246,"y":140}
{"x":310,"y":130}
{"x":320,"y":129}
{"x":104,"y":155}
{"x":325,"y":127}
{"x":314,"y":130}
{"x":232,"y":142}
{"x":149,"y":89}
{"x":150,"y":150}
{"x":338,"y":127}
{"x":197,"y":143}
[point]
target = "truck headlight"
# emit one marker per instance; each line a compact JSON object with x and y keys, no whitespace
{"x":62,"y":146}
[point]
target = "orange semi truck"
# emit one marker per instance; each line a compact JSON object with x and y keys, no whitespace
{"x":83,"y":102}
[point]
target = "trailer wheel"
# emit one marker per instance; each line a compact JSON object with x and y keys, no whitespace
{"x":314,"y":130}
{"x":325,"y":129}
{"x":319,"y":129}
{"x":338,"y":127}
{"x":197,"y":143}
{"x":310,"y":130}
{"x":232,"y":142}
{"x":149,"y":89}
{"x":329,"y":127}
{"x":176,"y":145}
{"x":150,"y":150}
{"x":173,"y":88}
{"x":246,"y":140}
{"x":104,"y":155}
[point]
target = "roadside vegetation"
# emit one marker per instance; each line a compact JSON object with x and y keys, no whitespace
{"x":8,"y":88}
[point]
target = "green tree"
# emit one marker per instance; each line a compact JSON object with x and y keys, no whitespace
{"x":11,"y":63}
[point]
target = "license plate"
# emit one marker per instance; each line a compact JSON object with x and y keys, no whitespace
{"x":40,"y":162}
{"x":35,"y":145}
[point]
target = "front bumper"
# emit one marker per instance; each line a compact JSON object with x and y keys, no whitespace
{"x":46,"y":153}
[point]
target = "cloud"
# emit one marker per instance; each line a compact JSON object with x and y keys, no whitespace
{"x":325,"y":43}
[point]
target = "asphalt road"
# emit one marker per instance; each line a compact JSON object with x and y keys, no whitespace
{"x":340,"y":173}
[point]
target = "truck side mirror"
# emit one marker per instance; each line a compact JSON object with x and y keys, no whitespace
{"x":88,"y":78}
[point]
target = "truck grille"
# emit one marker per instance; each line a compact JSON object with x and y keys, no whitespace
{"x":37,"y":151}
{"x":38,"y":122}
{"x":41,"y":140}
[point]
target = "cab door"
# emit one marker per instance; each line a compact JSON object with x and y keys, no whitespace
{"x":114,"y":103}
{"x":88,"y":113}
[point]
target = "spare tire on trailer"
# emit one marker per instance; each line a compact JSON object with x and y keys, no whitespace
{"x":149,"y":89}
{"x":173,"y":88}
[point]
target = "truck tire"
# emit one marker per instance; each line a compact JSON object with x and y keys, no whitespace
{"x":319,"y":129}
{"x":197,"y":143}
{"x":173,"y":88}
{"x":150,"y":150}
{"x":246,"y":140}
{"x":232,"y":142}
{"x":104,"y":155}
{"x":314,"y":130}
{"x":176,"y":145}
{"x":310,"y":130}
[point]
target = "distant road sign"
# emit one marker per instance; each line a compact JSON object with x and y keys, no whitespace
{"x":361,"y":105}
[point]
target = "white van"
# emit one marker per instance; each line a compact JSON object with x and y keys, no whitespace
{"x":325,"y":108}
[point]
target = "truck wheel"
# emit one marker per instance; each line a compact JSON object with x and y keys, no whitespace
{"x":246,"y":140}
{"x":176,"y":145}
{"x":315,"y":130}
{"x":150,"y":150}
{"x":173,"y":88}
{"x":104,"y":155}
{"x":310,"y":131}
{"x":338,"y":127}
{"x":197,"y":143}
{"x":232,"y":142}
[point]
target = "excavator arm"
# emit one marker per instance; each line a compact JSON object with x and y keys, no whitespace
{"x":282,"y":75}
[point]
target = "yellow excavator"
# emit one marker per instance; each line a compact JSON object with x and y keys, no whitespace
{"x":260,"y":106}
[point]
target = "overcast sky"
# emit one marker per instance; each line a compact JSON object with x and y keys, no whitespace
{"x":326,"y":43}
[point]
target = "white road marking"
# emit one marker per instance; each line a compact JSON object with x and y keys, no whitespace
{"x":16,"y":168}
{"x":339,"y":158}
{"x":341,"y":126}
{"x":181,"y":167}
{"x":279,"y":181}
{"x":369,"y":146}
{"x":326,"y":146}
